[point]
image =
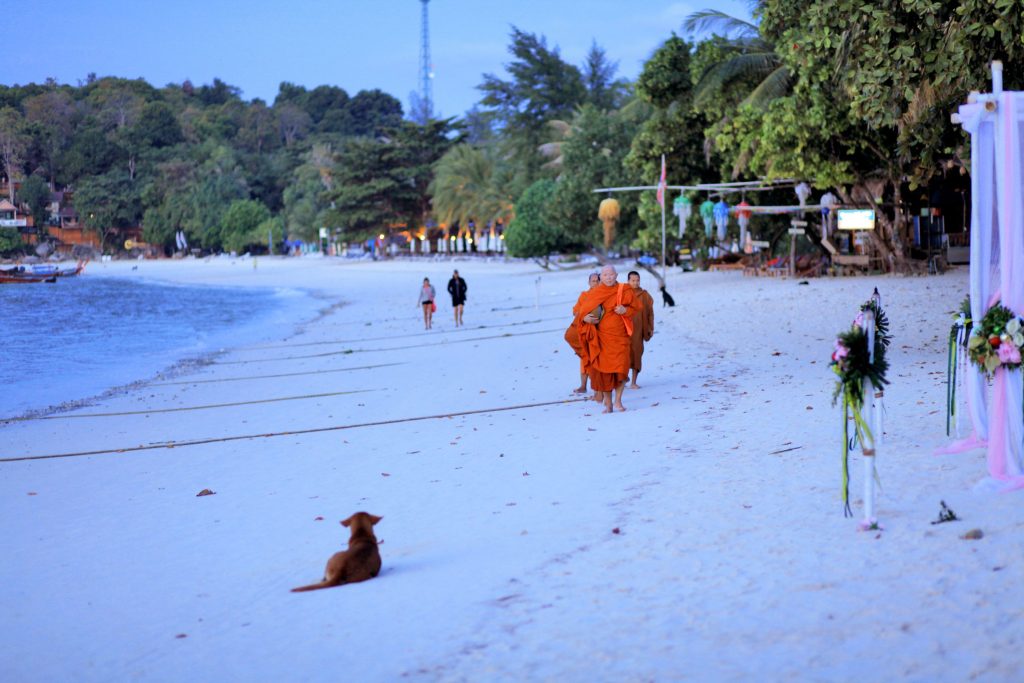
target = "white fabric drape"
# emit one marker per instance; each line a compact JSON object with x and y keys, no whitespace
{"x":997,"y":266}
{"x":983,"y":229}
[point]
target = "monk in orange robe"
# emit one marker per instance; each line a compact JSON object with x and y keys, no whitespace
{"x":604,"y":321}
{"x":573,"y":337}
{"x":643,"y":326}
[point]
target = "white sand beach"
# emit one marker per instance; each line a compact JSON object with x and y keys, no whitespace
{"x":699,"y":536}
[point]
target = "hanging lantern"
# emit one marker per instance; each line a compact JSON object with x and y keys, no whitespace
{"x":608,"y":212}
{"x":721,"y":212}
{"x":803,"y":191}
{"x":743,"y":214}
{"x":707,"y":214}
{"x":828,"y":203}
{"x":682,"y":207}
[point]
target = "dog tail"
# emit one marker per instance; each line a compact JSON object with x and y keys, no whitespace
{"x":312,"y":587}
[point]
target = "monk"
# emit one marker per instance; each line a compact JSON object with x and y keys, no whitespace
{"x":573,"y":337}
{"x":643,"y":326}
{"x":604,"y":322}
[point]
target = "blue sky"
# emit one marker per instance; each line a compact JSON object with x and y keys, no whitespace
{"x":354,"y":44}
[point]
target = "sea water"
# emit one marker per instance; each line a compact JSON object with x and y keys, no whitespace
{"x":77,"y":338}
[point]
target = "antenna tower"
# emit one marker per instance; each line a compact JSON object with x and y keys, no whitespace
{"x":426,"y":68}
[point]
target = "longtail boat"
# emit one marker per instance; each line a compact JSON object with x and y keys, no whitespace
{"x":38,"y":273}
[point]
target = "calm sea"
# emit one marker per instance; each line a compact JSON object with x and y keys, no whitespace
{"x":77,"y":338}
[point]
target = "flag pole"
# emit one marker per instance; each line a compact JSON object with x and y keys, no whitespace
{"x":663,"y":220}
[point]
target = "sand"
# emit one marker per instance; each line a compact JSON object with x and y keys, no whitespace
{"x":698,"y":536}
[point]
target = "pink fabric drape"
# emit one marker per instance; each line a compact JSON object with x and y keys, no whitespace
{"x":1006,"y":419}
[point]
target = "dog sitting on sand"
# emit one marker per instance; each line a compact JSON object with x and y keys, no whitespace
{"x":666,"y":298}
{"x":360,"y":562}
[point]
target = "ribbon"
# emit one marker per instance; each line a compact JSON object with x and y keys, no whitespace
{"x":861,"y":435}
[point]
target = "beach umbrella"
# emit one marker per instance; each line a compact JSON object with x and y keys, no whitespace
{"x":707,"y":214}
{"x":608,"y":212}
{"x":721,"y":213}
{"x":682,"y":207}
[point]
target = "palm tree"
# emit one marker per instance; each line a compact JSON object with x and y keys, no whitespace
{"x":468,"y":186}
{"x":749,"y":58}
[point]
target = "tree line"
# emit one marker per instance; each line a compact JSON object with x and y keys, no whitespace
{"x":851,"y":97}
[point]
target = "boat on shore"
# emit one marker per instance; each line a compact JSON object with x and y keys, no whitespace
{"x":39,"y":273}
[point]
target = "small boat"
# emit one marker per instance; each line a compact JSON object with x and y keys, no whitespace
{"x":39,"y":273}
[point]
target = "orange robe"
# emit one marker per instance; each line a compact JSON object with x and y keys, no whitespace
{"x":605,"y":346}
{"x":572,"y":336}
{"x":643,"y":329}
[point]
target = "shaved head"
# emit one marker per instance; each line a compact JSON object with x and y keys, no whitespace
{"x":609,"y":275}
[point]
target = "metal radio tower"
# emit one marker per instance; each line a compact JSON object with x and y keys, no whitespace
{"x":426,"y":69}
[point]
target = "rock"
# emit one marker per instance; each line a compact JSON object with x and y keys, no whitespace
{"x":973,"y":535}
{"x":206,"y":492}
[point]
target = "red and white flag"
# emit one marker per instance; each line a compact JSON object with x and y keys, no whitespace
{"x":661,"y":183}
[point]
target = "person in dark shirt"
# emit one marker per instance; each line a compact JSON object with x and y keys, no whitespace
{"x":457,"y":288}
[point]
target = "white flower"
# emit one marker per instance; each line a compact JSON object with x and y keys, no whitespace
{"x":1013,"y":326}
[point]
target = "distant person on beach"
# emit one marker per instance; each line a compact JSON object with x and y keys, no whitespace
{"x":643,"y":326}
{"x":457,"y":288}
{"x":426,"y":301}
{"x":572,"y":336}
{"x":605,"y":325}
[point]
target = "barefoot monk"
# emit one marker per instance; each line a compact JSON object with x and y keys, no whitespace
{"x":572,"y":335}
{"x":643,"y":326}
{"x":605,"y":324}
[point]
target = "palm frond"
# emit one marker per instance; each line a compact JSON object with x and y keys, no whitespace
{"x":706,"y":20}
{"x":760,"y":65}
{"x":776,"y":85}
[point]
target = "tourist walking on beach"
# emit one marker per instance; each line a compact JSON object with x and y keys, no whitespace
{"x":426,"y":301}
{"x":457,"y":288}
{"x":605,"y":325}
{"x":572,"y":336}
{"x":643,"y":326}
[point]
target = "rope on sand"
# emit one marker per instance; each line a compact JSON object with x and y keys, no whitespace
{"x":392,"y":348}
{"x":276,"y":376}
{"x":404,"y":336}
{"x":315,"y":430}
{"x":71,"y":416}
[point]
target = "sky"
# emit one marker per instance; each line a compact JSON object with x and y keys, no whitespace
{"x":355,"y":44}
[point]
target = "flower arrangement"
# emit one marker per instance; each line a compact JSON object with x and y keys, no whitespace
{"x":997,"y":340}
{"x":858,"y":358}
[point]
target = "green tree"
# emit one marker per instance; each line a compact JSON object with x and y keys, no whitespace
{"x":874,"y":85}
{"x":35,"y":194}
{"x":672,"y":129}
{"x":541,"y":88}
{"x":51,"y":116}
{"x":604,"y":91}
{"x":592,"y":157}
{"x":10,"y":241}
{"x":13,"y":143}
{"x":532,"y":233}
{"x":242,"y":224}
{"x":468,"y":185}
{"x":108,"y":203}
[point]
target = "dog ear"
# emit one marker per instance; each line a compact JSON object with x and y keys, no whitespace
{"x":374,"y":519}
{"x":346,"y":522}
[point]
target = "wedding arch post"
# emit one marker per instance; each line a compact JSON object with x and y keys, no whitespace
{"x":869,"y":448}
{"x":997,"y":266}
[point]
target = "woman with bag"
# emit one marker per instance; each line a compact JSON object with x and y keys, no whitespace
{"x":426,"y":300}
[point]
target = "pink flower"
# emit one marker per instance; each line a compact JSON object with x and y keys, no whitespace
{"x":859,"y":320}
{"x":840,"y":351}
{"x":1008,"y":353}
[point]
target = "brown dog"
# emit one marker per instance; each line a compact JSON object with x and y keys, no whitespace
{"x":360,"y":562}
